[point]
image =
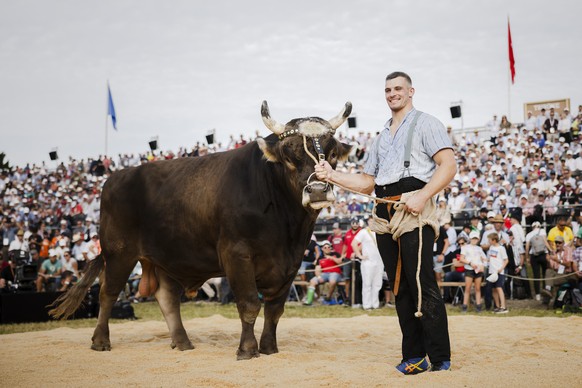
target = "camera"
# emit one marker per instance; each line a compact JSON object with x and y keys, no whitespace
{"x":25,"y":272}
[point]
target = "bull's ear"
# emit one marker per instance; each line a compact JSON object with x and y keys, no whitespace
{"x":344,"y":151}
{"x":269,"y":150}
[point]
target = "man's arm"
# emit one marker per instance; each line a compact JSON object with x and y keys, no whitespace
{"x":362,"y":183}
{"x":444,"y":174}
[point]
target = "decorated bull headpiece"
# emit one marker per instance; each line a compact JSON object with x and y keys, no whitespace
{"x":315,"y":193}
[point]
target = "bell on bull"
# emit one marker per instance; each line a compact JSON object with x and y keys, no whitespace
{"x":230,"y":214}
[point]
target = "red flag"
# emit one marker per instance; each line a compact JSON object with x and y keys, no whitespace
{"x":511,"y":57}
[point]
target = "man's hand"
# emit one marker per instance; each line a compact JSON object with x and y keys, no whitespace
{"x":323,"y":171}
{"x":416,"y":203}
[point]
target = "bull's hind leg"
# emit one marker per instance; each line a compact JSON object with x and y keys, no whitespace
{"x":168,"y":297}
{"x":114,"y":278}
{"x":273,"y":310}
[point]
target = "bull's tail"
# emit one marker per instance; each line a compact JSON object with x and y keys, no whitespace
{"x":69,"y":302}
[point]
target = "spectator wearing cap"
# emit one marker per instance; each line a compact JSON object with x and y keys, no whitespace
{"x":562,"y":230}
{"x":337,"y":238}
{"x":568,"y":196}
{"x":456,"y":202}
{"x":330,"y":273}
{"x":93,"y":247}
{"x":49,"y":272}
{"x":560,"y":262}
{"x":89,"y":228}
{"x":443,"y":210}
{"x":348,"y":255}
{"x":536,"y":254}
{"x":79,"y":251}
{"x":354,"y":208}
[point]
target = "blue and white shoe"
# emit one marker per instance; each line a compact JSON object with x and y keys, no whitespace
{"x":439,"y":366}
{"x":413,"y":366}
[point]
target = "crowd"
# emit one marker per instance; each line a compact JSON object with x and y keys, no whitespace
{"x":518,"y":180}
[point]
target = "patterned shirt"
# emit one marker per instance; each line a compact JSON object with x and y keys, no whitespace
{"x":386,"y":157}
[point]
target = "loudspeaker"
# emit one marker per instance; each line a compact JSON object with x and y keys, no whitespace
{"x":153,"y":145}
{"x":352,"y":122}
{"x":210,"y":139}
{"x":53,"y":155}
{"x":456,"y":111}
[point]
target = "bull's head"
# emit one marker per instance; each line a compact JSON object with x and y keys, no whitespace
{"x":295,"y":146}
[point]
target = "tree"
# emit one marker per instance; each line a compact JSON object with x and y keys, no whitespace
{"x":4,"y":164}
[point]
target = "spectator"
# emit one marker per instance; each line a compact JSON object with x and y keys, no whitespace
{"x":457,"y":272}
{"x":348,"y":256}
{"x":474,"y":258}
{"x":19,"y":243}
{"x":69,"y":264}
{"x":330,"y":273}
{"x":79,"y":252}
{"x":498,"y":259}
{"x":441,"y":246}
{"x":49,"y":272}
{"x":560,"y":262}
{"x":365,"y":248}
{"x":561,"y":229}
{"x":310,"y":258}
{"x":536,"y":248}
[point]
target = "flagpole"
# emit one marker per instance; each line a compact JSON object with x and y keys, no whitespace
{"x":508,"y":79}
{"x":106,"y":116}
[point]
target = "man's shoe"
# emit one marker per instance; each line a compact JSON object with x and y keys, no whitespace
{"x":413,"y":366}
{"x":438,"y":366}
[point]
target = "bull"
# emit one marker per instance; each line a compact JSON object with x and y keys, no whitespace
{"x":247,"y":214}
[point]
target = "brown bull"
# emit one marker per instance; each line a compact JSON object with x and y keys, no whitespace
{"x":245,"y":214}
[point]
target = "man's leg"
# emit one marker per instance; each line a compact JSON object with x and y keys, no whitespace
{"x":410,"y":326}
{"x":434,"y":325}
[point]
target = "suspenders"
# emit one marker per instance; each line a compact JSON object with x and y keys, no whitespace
{"x":408,"y":148}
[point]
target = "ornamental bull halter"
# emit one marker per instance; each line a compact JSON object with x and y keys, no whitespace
{"x":314,"y":191}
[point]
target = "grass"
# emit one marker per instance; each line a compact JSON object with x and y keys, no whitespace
{"x":190,"y":310}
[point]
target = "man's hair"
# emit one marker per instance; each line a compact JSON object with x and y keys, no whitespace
{"x":397,"y":74}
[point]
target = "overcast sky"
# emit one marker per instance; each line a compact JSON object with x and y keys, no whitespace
{"x":180,"y":68}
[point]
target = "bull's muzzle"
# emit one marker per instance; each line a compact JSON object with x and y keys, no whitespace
{"x":317,"y":194}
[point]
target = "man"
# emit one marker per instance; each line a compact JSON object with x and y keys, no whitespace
{"x":49,"y":271}
{"x":432,"y":167}
{"x":19,"y":243}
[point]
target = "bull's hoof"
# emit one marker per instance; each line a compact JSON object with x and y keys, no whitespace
{"x":246,"y":355}
{"x":182,"y":345}
{"x":101,"y":347}
{"x":269,"y":350}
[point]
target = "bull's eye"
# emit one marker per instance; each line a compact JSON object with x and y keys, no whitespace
{"x":332,"y":155}
{"x":308,"y":188}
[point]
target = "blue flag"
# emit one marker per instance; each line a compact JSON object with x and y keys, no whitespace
{"x":111,"y":109}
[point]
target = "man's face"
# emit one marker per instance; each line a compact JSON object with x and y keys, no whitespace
{"x":355,"y":225}
{"x":398,"y":93}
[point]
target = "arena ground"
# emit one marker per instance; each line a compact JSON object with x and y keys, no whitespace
{"x":339,"y":352}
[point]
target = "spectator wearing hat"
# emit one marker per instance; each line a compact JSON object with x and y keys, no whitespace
{"x":498,"y":260}
{"x":49,"y":272}
{"x":565,"y":125}
{"x":498,"y":223}
{"x":19,"y":243}
{"x":443,"y":211}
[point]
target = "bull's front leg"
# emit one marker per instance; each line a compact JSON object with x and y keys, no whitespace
{"x":242,"y":283}
{"x":273,"y":311}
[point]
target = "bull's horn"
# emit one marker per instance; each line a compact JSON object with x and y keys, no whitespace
{"x":273,"y":126}
{"x":341,"y":117}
